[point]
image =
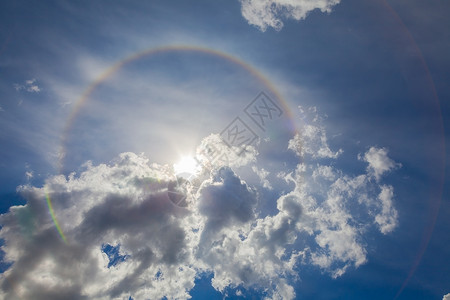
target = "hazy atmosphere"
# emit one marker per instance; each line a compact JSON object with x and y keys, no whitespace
{"x":229,"y":149}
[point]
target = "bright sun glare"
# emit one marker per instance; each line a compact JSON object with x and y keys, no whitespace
{"x":187,"y":164}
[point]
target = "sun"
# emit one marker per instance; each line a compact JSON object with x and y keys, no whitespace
{"x":187,"y":165}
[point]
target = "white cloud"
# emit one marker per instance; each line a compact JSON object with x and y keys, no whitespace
{"x":1,"y":109}
{"x":262,"y":174}
{"x":128,"y":203}
{"x":379,"y":162}
{"x":336,"y":206}
{"x":214,"y":151}
{"x":29,"y":174}
{"x":312,"y":140}
{"x":446,"y":297}
{"x":325,"y":172}
{"x":387,"y":218}
{"x":29,"y":86}
{"x":101,"y":206}
{"x":268,"y":13}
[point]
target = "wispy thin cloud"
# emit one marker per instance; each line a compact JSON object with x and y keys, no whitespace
{"x":28,"y":86}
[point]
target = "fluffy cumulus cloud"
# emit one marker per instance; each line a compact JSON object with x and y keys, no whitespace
{"x":125,"y":204}
{"x":446,"y":297}
{"x":379,"y":162}
{"x":268,"y":13}
{"x":132,"y":228}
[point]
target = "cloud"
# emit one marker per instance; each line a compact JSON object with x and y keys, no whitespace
{"x":387,"y":218}
{"x":124,"y":204}
{"x":29,"y":174}
{"x":312,"y":140}
{"x":29,"y":86}
{"x":337,"y":207}
{"x":379,"y":162}
{"x":262,"y":174}
{"x":127,"y":204}
{"x":123,"y":235}
{"x":223,"y":200}
{"x":254,"y":255}
{"x":268,"y":13}
{"x":446,"y":297}
{"x":214,"y":151}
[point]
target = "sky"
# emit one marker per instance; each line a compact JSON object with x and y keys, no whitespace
{"x":234,"y":149}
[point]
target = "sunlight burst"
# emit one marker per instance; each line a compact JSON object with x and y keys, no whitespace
{"x":187,"y":164}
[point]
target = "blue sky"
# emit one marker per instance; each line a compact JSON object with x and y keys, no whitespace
{"x":343,"y":195}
